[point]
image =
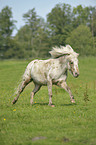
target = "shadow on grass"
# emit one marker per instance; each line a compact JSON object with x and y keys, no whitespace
{"x":70,"y":104}
{"x":46,"y":104}
{"x":42,"y":104}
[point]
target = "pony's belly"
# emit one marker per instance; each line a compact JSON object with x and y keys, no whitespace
{"x":39,"y":79}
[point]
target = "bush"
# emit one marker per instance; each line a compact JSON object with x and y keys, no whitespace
{"x":81,"y":40}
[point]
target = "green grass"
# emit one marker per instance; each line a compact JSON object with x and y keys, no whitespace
{"x":66,"y":123}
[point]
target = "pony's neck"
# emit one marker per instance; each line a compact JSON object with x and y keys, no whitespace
{"x":63,"y":61}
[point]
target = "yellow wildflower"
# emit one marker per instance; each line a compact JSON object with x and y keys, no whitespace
{"x":14,"y":110}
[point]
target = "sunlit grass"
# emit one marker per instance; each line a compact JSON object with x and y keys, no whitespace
{"x":66,"y":123}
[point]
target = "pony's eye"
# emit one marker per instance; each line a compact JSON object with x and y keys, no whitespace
{"x":71,"y":62}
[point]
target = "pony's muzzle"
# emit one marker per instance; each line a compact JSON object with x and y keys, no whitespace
{"x":76,"y":75}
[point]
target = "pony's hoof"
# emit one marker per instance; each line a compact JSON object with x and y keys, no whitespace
{"x":31,"y":102}
{"x":14,"y":101}
{"x":51,"y":105}
{"x":72,"y":101}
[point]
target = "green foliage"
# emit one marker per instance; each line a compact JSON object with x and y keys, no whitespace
{"x":80,"y":15}
{"x":32,"y":21}
{"x":6,"y":28}
{"x":76,"y":26}
{"x":66,"y":123}
{"x":81,"y":40}
{"x":6,"y":22}
{"x":33,"y":36}
{"x":60,"y":19}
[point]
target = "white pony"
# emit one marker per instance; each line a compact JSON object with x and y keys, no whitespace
{"x":51,"y":71}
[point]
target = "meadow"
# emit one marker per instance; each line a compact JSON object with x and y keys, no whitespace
{"x":40,"y":124}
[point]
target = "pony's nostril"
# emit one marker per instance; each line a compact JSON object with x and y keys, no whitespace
{"x":76,"y":74}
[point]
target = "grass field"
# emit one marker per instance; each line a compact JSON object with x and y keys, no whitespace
{"x":40,"y":124}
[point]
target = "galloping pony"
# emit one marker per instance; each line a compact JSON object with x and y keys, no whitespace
{"x":51,"y":71}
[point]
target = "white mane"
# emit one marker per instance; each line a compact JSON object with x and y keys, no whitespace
{"x":60,"y":51}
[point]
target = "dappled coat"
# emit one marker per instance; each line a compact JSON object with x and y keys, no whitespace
{"x":51,"y":71}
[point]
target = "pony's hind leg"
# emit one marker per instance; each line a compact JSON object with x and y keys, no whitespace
{"x":36,"y":89}
{"x":21,"y":88}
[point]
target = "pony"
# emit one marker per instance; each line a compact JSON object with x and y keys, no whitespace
{"x":50,"y":72}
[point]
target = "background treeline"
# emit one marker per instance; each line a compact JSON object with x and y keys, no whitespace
{"x":64,"y":25}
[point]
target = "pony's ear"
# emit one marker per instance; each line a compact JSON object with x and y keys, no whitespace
{"x":77,"y":54}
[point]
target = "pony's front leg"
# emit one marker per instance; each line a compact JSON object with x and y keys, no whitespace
{"x":64,"y":86}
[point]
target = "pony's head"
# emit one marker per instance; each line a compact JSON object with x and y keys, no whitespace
{"x":73,"y":65}
{"x":71,"y":56}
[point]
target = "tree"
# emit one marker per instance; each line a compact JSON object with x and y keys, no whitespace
{"x":33,"y":35}
{"x":6,"y":28}
{"x":32,"y":20}
{"x":80,"y":15}
{"x":92,"y":23}
{"x":81,"y":40}
{"x":75,"y":26}
{"x":60,"y":19}
{"x":85,"y":16}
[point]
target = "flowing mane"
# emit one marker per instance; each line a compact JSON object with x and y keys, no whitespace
{"x":60,"y":51}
